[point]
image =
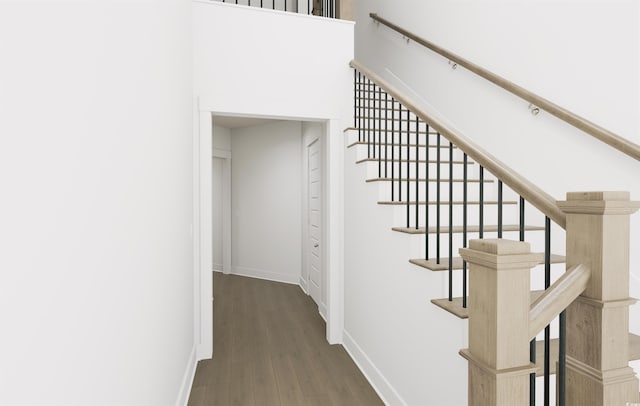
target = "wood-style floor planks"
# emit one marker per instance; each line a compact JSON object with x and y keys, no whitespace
{"x":270,"y":350}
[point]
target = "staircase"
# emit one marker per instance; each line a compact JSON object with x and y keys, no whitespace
{"x":445,"y":192}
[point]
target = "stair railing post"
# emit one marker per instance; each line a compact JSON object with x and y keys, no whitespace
{"x":499,"y":300}
{"x":597,"y":361}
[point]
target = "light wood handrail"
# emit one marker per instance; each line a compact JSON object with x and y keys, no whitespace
{"x":557,"y":298}
{"x":620,"y":143}
{"x":530,"y":192}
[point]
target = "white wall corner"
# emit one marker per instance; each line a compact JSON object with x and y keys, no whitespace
{"x":378,"y":381}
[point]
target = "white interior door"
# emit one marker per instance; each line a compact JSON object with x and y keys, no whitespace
{"x":314,"y":207}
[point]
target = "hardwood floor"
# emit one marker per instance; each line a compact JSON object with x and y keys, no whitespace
{"x":270,"y":349}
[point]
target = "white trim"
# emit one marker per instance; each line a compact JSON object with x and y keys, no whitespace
{"x":187,"y":379}
{"x":333,"y":232}
{"x":221,"y":153}
{"x":266,"y":275}
{"x":303,"y":286}
{"x":322,"y":309}
{"x":203,"y":243}
{"x":226,"y":207}
{"x":380,"y":384}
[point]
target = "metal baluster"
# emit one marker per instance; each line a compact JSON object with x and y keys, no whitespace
{"x":408,"y":156}
{"x":368,"y":118}
{"x":417,"y":169}
{"x":481,"y":205}
{"x":379,"y":132}
{"x":438,"y":201}
{"x":372,"y":114}
{"x":464,"y":230}
{"x":547,"y":330}
{"x":386,"y":124}
{"x":393,"y":148}
{"x":400,"y":153}
{"x":360,"y":106}
{"x":521,"y":218}
{"x":355,"y":97}
{"x":426,"y":197}
{"x":499,"y":209}
{"x":561,"y":377}
{"x":285,"y":5}
{"x":450,"y":221}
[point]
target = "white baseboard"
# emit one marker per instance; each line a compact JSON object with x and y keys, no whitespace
{"x":187,"y":379}
{"x":303,"y":286}
{"x":322,"y":309}
{"x":217,"y":268}
{"x":379,"y":383}
{"x":266,"y":275}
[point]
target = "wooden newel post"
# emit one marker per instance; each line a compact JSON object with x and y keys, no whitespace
{"x":598,"y":372}
{"x":499,"y":301}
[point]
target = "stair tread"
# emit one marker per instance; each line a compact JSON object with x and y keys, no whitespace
{"x":432,"y":264}
{"x":423,"y":179}
{"x":470,"y":229}
{"x":456,"y":203}
{"x":455,"y":306}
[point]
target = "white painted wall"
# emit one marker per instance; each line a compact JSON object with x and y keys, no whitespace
{"x":266,"y":196}
{"x":549,"y":47}
{"x":303,"y":78}
{"x":96,"y":280}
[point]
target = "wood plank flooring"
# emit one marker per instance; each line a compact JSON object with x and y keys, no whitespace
{"x":270,"y":349}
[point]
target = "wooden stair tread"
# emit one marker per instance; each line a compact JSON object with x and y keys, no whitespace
{"x":455,"y":306}
{"x":422,"y":161}
{"x":432,"y":265}
{"x":430,"y":180}
{"x":470,"y":229}
{"x":455,"y":203}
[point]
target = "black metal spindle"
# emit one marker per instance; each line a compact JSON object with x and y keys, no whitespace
{"x":400,"y":153}
{"x":464,"y":229}
{"x":355,"y":97}
{"x":360,"y":106}
{"x":417,"y":170}
{"x":438,"y":200}
{"x":372,"y":113}
{"x":368,"y":118}
{"x":532,"y":376}
{"x":285,"y":5}
{"x":481,"y":205}
{"x":379,"y":132}
{"x":273,"y":4}
{"x":561,"y":377}
{"x":393,"y":148}
{"x":386,"y":125}
{"x":450,"y":221}
{"x":547,"y":329}
{"x":521,"y":218}
{"x":426,"y":196}
{"x":499,"y":209}
{"x":408,"y":156}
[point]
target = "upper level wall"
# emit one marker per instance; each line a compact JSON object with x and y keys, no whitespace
{"x":260,"y":62}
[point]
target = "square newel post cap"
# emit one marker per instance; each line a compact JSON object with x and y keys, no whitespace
{"x":599,"y":203}
{"x":499,"y":254}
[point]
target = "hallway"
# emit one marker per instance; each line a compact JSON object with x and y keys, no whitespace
{"x":270,"y":349}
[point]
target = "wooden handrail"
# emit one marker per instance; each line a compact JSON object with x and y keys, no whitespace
{"x":557,"y":298}
{"x":530,"y":192}
{"x":620,"y":143}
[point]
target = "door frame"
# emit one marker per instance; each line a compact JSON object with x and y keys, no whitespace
{"x":333,"y":219}
{"x":226,"y":208}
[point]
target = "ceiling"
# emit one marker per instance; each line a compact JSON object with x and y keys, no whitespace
{"x":239,"y":122}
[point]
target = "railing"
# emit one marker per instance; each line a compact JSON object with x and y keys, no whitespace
{"x":400,"y":136}
{"x":616,"y":141}
{"x":324,"y":8}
